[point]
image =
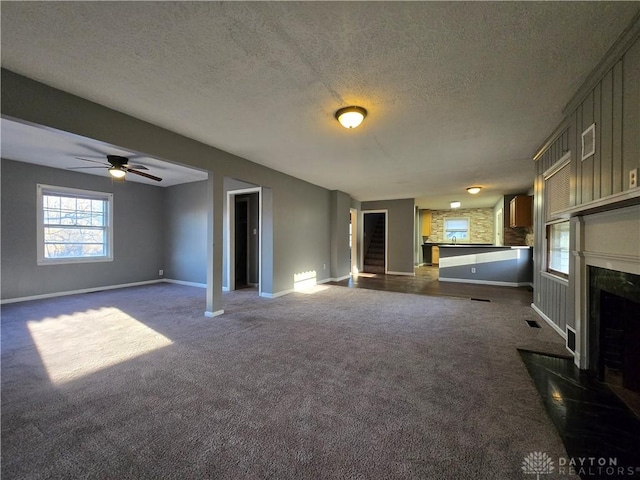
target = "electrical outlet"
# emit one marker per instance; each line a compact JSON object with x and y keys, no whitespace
{"x":473,"y":269}
{"x":160,"y":273}
{"x":633,"y":178}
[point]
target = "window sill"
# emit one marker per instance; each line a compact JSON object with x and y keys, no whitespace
{"x":556,"y":278}
{"x":69,"y":261}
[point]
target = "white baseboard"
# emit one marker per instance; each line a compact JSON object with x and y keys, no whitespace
{"x":188,"y":284}
{"x":213,"y":314}
{"x":550,"y":322}
{"x":75,"y":292}
{"x":277,"y":294}
{"x":225,"y":289}
{"x":339,"y":279}
{"x":485,"y":282}
{"x":409,"y":274}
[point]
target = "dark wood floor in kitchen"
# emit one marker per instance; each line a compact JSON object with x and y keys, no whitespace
{"x":425,"y":282}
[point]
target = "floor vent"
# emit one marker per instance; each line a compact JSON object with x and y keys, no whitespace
{"x":533,"y":324}
{"x":481,"y":299}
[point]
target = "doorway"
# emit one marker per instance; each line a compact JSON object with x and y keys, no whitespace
{"x":374,"y":241}
{"x":244,"y":239}
{"x":242,"y":247}
{"x":353,"y":235}
{"x":499,"y":228}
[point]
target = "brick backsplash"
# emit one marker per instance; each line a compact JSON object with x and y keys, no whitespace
{"x":480,"y":223}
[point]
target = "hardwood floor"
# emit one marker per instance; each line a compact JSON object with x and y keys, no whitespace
{"x":425,"y":282}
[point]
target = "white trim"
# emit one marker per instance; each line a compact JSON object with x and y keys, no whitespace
{"x":230,"y":253}
{"x":386,"y":236}
{"x":575,"y":335}
{"x":610,"y":261}
{"x":225,"y":289}
{"x":550,"y":322}
{"x":555,"y":278}
{"x":339,"y":279}
{"x":410,"y":274}
{"x":591,"y":130}
{"x":277,"y":294}
{"x":485,"y":282}
{"x":42,"y":189}
{"x":75,"y":292}
{"x":213,"y":314}
{"x":559,"y":165}
{"x":188,"y":284}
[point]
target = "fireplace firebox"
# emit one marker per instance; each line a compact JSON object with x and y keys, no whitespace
{"x":614,"y":326}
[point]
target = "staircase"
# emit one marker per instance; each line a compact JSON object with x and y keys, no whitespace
{"x":374,"y":256}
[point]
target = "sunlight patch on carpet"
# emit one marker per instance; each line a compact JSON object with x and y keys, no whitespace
{"x":72,"y":346}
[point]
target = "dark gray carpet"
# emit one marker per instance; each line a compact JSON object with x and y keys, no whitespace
{"x":341,"y":383}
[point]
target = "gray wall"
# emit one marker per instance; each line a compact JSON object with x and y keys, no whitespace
{"x":138,"y":241}
{"x":299,"y":212}
{"x":612,"y":102}
{"x":185,"y":226}
{"x":400,"y":248}
{"x":340,"y":218}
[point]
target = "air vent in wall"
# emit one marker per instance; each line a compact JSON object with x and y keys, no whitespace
{"x":571,"y":339}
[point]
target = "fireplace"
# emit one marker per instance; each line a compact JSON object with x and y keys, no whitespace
{"x":614,"y":323}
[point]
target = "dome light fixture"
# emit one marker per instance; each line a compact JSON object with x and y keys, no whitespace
{"x":351,"y":117}
{"x":117,"y":172}
{"x":474,"y":190}
{"x":455,"y":204}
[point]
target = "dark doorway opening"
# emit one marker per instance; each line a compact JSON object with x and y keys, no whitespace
{"x":374,"y":244}
{"x":242,"y":242}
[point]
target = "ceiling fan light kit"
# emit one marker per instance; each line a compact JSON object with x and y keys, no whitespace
{"x":351,"y":117}
{"x":117,"y":172}
{"x":118,"y":167}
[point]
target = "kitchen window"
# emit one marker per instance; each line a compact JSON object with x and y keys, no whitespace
{"x":456,"y":228}
{"x":74,"y":225}
{"x":558,"y":249}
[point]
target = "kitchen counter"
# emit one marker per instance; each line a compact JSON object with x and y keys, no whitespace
{"x":486,"y":264}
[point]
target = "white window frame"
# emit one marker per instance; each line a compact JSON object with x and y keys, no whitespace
{"x":55,"y":190}
{"x":467,"y":230}
{"x":548,"y":269}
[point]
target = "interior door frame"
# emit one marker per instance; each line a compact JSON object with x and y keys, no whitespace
{"x":353,"y":214}
{"x":230,"y":273}
{"x":386,"y":238}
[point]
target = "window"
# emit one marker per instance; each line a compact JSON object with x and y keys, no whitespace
{"x":457,"y":228}
{"x":74,"y":225}
{"x":558,"y":249}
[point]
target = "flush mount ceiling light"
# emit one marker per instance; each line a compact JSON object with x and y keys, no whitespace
{"x":351,"y":117}
{"x":455,"y":204}
{"x":117,"y":172}
{"x":474,"y":190}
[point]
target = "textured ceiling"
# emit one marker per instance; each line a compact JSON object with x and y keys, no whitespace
{"x":458,"y":93}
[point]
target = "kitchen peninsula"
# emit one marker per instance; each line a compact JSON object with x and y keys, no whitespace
{"x":486,"y":264}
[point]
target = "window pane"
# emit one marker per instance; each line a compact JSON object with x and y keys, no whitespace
{"x":74,"y":226}
{"x":558,"y":239}
{"x":456,"y":224}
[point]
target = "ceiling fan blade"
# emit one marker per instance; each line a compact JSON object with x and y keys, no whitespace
{"x":82,"y":168}
{"x":142,"y":174}
{"x":93,"y":161}
{"x":136,"y":167}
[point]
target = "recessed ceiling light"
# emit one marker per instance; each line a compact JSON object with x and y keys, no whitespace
{"x":351,"y":117}
{"x":474,"y":190}
{"x":455,"y":204}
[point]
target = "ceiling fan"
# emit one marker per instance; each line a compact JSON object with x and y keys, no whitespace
{"x":118,"y":167}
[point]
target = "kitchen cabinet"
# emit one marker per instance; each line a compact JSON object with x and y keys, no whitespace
{"x":521,"y":211}
{"x":435,"y":255}
{"x":426,"y":223}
